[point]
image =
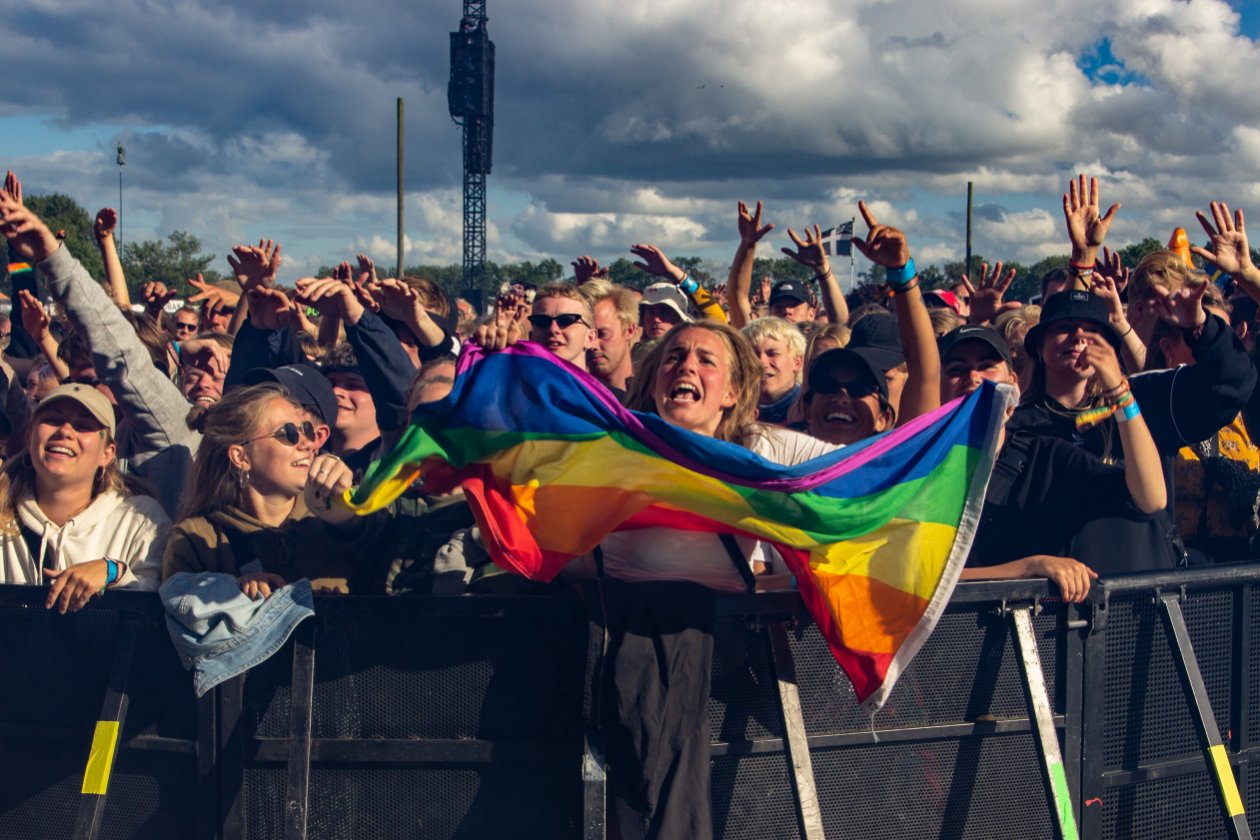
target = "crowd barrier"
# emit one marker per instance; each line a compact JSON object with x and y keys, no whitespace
{"x":462,"y":718}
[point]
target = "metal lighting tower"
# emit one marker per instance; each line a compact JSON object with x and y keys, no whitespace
{"x":470,"y":96}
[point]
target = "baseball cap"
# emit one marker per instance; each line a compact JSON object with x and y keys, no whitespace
{"x":667,"y":294}
{"x":96,"y":403}
{"x":306,"y":384}
{"x":940,"y":298}
{"x":869,"y":360}
{"x":790,"y":290}
{"x":974,"y":332}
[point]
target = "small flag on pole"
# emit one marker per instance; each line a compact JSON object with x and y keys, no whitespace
{"x":838,"y":241}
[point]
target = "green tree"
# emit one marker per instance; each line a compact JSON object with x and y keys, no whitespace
{"x":1131,"y":255}
{"x":172,"y":261}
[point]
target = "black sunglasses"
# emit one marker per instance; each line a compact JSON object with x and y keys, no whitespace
{"x":856,"y":390}
{"x":289,"y":433}
{"x":185,"y":327}
{"x":543,"y":322}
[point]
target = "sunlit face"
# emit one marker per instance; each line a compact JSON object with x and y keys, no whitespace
{"x":657,"y":319}
{"x":202,"y":383}
{"x":67,"y":446}
{"x":185,"y":324}
{"x":693,"y":387}
{"x":779,"y":365}
{"x":843,"y":406}
{"x":356,"y":410}
{"x":1062,"y":345}
{"x":217,"y":319}
{"x":568,"y":342}
{"x":276,"y":467}
{"x":613,"y":341}
{"x":791,"y":309}
{"x":970,"y":363}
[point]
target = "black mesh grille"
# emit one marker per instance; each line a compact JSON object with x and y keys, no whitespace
{"x":752,"y":798}
{"x":151,"y":797}
{"x":743,"y":702}
{"x":980,"y":787}
{"x":39,"y":789}
{"x":1165,"y":809}
{"x":1252,"y":735}
{"x":1146,"y":717}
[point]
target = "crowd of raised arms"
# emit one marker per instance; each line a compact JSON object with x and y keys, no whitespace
{"x":213,"y":437}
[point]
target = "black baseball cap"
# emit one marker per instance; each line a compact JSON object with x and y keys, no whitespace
{"x":306,"y":384}
{"x":974,"y":332}
{"x":790,"y":290}
{"x":869,"y":360}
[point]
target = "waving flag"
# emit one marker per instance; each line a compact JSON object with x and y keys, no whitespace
{"x":876,"y":534}
{"x":838,"y":241}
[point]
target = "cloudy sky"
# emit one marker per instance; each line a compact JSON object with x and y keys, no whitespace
{"x":635,"y":120}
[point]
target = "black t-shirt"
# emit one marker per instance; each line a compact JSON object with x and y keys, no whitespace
{"x":1047,"y":496}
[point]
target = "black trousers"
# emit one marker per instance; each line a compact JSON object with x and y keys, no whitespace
{"x":650,"y":696}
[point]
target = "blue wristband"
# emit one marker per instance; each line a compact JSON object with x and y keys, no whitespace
{"x":687,"y":284}
{"x":1130,"y":411}
{"x":898,"y":278}
{"x":111,"y":572}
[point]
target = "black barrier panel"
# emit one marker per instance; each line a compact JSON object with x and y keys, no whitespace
{"x":743,"y":701}
{"x":1164,"y":809}
{"x":1146,"y":717}
{"x":752,"y":798}
{"x":1250,"y":619}
{"x":430,"y":719}
{"x":975,"y":787}
{"x":151,"y":795}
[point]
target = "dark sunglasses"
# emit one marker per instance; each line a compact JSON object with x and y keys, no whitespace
{"x":185,"y":328}
{"x":289,"y":433}
{"x":543,"y":322}
{"x":856,"y":390}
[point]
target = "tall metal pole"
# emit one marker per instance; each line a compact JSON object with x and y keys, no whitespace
{"x":399,"y":274}
{"x":969,"y":186}
{"x":121,"y":161}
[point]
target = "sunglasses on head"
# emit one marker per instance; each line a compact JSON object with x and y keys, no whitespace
{"x":543,"y":322}
{"x":290,"y":433}
{"x":856,"y":390}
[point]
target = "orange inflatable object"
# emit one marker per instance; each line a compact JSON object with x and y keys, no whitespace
{"x":1181,"y":244}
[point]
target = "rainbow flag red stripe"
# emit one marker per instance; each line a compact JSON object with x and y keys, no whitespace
{"x":876,"y":534}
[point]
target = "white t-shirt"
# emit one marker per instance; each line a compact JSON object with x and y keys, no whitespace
{"x":666,"y":554}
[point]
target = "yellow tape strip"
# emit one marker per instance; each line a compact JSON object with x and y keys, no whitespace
{"x":101,"y":759}
{"x":1225,"y":778}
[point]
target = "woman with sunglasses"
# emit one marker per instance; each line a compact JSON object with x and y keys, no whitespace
{"x":260,"y":501}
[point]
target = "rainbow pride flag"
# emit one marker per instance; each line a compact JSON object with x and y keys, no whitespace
{"x":876,"y":534}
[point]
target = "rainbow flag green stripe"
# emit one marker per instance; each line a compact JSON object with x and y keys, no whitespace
{"x":876,"y":534}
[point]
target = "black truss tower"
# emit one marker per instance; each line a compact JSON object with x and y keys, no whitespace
{"x":470,"y":96}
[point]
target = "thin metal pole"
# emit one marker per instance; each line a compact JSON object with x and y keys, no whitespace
{"x":400,"y":188}
{"x":969,"y":192}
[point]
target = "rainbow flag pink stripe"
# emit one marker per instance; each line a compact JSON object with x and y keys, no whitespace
{"x":876,"y":534}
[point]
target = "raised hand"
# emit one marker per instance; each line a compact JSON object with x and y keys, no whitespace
{"x":213,"y":296}
{"x":367,"y":270}
{"x":1101,"y":356}
{"x":255,"y":266}
{"x":28,"y":234}
{"x":751,"y":230}
{"x":654,"y":262}
{"x":12,"y":187}
{"x":270,"y":308}
{"x":395,"y":298}
{"x":761,"y":297}
{"x":1110,"y":265}
{"x":1104,"y":286}
{"x":331,"y":296}
{"x":1087,"y":228}
{"x":986,"y":297}
{"x":884,"y":245}
{"x":1183,"y":307}
{"x":34,"y":316}
{"x":510,"y":312}
{"x":106,"y":221}
{"x":1228,"y":236}
{"x":154,"y":295}
{"x":587,"y":268}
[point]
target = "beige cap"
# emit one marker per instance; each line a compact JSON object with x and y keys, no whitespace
{"x":96,"y":403}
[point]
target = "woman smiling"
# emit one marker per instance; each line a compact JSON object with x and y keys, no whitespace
{"x":66,"y":516}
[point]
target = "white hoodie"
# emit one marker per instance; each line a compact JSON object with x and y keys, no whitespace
{"x":131,"y":529}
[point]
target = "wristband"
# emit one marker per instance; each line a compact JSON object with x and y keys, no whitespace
{"x":1080,"y":269}
{"x":902,"y":289}
{"x":1127,"y":412}
{"x":111,"y":572}
{"x":687,"y":284}
{"x":899,"y":278}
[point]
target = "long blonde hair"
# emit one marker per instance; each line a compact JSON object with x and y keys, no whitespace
{"x":738,"y":422}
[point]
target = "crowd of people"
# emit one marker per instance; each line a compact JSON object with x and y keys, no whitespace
{"x":141,"y":442}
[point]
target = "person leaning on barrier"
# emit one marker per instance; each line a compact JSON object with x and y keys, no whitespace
{"x":1044,"y":491}
{"x":67,"y":517}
